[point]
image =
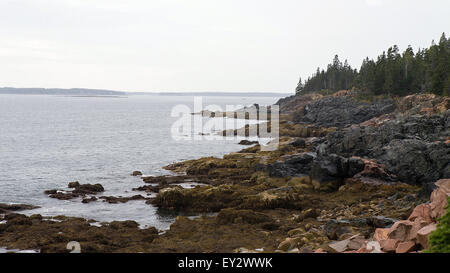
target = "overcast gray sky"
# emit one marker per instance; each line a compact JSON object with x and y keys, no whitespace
{"x":201,"y":45}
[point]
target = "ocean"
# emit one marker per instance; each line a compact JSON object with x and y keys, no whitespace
{"x":48,"y":141}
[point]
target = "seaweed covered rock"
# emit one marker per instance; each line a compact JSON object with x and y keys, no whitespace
{"x":7,"y":208}
{"x":227,"y":216}
{"x":198,"y":199}
{"x":53,"y":234}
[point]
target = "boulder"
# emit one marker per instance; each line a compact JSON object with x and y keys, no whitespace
{"x":296,"y":165}
{"x":424,"y":233}
{"x":247,"y":142}
{"x":389,"y":245}
{"x":439,"y":197}
{"x":423,"y":212}
{"x":88,"y":189}
{"x":339,"y":246}
{"x":328,"y":172}
{"x":299,"y":143}
{"x":136,"y":173}
{"x":381,"y":234}
{"x":289,"y":244}
{"x":334,"y":229}
{"x":74,"y":184}
{"x":400,"y":230}
{"x":405,"y":247}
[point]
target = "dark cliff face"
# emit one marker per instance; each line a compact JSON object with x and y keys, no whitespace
{"x":342,"y":111}
{"x":410,"y":136}
{"x":412,"y":147}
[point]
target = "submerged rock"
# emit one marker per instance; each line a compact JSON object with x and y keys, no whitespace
{"x":248,"y":142}
{"x":7,"y":208}
{"x":80,"y":190}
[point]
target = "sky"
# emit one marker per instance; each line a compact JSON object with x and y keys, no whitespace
{"x":201,"y":45}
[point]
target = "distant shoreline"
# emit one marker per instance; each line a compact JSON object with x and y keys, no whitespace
{"x":99,"y":92}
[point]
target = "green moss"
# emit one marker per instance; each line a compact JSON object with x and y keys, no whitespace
{"x":440,"y":238}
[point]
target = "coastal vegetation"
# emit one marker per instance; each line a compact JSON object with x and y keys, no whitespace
{"x":392,"y":73}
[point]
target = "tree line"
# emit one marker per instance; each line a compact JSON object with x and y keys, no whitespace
{"x":392,"y":73}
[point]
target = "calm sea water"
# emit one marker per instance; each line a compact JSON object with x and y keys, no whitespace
{"x":48,"y":141}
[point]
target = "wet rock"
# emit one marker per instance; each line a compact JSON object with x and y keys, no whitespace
{"x":149,"y":188}
{"x":296,"y":165}
{"x":17,"y":219}
{"x":37,"y":232}
{"x":247,"y":142}
{"x":89,"y":200}
{"x":88,"y":189}
{"x":136,"y":173}
{"x":60,"y":195}
{"x":74,"y":184}
{"x":328,"y":172}
{"x":120,"y":199}
{"x":7,"y":208}
{"x":80,"y":190}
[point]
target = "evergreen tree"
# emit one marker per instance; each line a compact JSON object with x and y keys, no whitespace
{"x":392,"y":73}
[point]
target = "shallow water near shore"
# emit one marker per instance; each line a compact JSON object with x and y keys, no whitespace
{"x":48,"y":141}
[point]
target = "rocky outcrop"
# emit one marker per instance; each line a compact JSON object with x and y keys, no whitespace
{"x":423,"y":104}
{"x":342,"y":111}
{"x":414,"y":148}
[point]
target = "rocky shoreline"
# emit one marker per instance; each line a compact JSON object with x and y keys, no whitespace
{"x":349,"y":176}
